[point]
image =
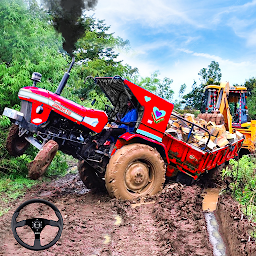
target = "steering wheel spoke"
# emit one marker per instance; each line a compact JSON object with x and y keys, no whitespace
{"x":21,"y":223}
{"x":37,"y":243}
{"x":52,"y":223}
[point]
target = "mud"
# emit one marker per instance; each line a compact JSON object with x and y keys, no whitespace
{"x":235,"y":227}
{"x":180,"y":221}
{"x":171,"y":223}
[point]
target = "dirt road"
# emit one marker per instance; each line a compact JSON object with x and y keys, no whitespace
{"x":171,"y":223}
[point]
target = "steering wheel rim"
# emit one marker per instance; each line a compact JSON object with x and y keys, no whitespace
{"x":37,"y":225}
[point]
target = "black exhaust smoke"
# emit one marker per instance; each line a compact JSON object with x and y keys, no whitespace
{"x":66,"y":16}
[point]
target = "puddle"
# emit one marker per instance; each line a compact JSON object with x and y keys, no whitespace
{"x":219,"y":248}
{"x":210,"y":201}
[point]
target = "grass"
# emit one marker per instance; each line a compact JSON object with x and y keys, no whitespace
{"x":3,"y":211}
{"x":11,"y":189}
{"x":242,"y":176}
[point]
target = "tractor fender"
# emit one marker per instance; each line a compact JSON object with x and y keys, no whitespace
{"x":129,"y":138}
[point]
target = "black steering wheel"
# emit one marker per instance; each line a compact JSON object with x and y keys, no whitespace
{"x":37,"y":225}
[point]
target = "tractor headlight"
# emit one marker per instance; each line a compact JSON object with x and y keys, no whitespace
{"x":39,"y":110}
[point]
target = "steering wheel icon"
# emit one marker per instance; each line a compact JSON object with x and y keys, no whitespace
{"x":37,"y":225}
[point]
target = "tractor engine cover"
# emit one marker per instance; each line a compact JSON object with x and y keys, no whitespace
{"x":43,"y":102}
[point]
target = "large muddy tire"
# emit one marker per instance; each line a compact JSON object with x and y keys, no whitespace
{"x":42,"y":160}
{"x":134,"y":171}
{"x":16,"y":145}
{"x":89,"y":177}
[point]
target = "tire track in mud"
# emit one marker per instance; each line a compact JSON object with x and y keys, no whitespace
{"x":181,"y":223}
{"x":137,"y":234}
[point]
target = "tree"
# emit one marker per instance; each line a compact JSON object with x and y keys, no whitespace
{"x":179,"y":103}
{"x":210,"y":75}
{"x":97,"y":42}
{"x":250,"y":84}
{"x":29,"y":43}
{"x":161,"y":87}
{"x":183,"y":87}
{"x":193,"y":99}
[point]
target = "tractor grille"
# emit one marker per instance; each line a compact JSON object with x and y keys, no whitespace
{"x":26,"y":109}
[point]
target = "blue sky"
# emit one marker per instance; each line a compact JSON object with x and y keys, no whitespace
{"x":180,"y":37}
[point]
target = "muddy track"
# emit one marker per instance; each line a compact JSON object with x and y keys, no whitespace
{"x":171,"y":223}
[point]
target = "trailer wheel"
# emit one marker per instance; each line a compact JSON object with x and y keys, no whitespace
{"x":135,"y":170}
{"x":184,"y":179}
{"x":89,"y":177}
{"x":15,"y":144}
{"x":42,"y":160}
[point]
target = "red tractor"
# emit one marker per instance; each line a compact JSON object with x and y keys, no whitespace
{"x":129,"y":164}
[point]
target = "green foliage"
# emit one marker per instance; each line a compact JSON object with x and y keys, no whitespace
{"x":16,"y":166}
{"x":97,"y":43}
{"x":250,"y":84}
{"x":183,"y":87}
{"x":58,"y":166}
{"x":3,"y":211}
{"x":13,"y":188}
{"x":24,"y":34}
{"x":156,"y":85}
{"x":193,"y":100}
{"x":210,"y":75}
{"x":243,"y":182}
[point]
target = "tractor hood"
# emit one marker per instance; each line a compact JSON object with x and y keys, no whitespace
{"x":116,"y":91}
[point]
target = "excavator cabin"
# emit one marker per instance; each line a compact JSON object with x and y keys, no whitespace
{"x":230,"y":101}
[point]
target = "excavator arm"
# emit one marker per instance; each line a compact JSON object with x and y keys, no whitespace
{"x":222,"y":105}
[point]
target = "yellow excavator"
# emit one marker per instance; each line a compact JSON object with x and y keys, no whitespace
{"x":228,"y":104}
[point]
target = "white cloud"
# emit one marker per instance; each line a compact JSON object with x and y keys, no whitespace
{"x":187,"y":21}
{"x":241,"y":18}
{"x":244,"y":28}
{"x":149,"y":13}
{"x":185,"y":70}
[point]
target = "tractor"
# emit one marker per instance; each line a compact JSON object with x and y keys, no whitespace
{"x":128,"y":164}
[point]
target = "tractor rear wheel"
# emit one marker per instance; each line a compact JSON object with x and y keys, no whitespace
{"x":134,"y":171}
{"x":15,"y":144}
{"x":89,"y":177}
{"x":42,"y":160}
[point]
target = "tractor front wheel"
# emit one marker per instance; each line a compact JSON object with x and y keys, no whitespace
{"x":42,"y":160}
{"x":134,"y":171}
{"x":15,"y":144}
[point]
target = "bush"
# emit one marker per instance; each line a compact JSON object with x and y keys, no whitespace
{"x":242,"y":178}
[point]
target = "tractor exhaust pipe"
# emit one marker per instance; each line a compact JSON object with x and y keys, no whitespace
{"x":64,"y":79}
